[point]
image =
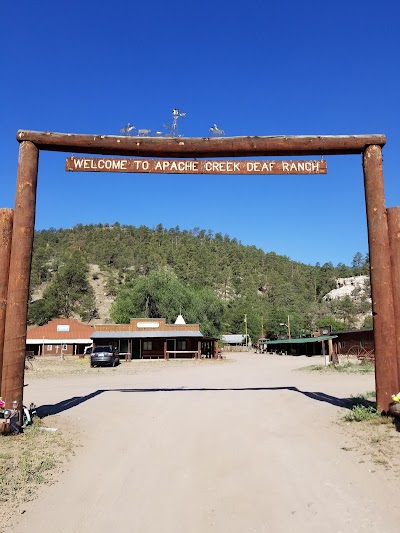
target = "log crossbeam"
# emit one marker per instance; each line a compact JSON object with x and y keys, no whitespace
{"x":201,"y":147}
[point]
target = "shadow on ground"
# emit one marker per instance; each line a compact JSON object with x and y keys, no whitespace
{"x":53,"y":409}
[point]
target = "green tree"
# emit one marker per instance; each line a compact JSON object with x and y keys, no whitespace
{"x":41,"y":311}
{"x":69,"y":292}
{"x":206,"y":309}
{"x":357,"y":260}
{"x":329,"y":320}
{"x":365,"y":265}
{"x":345,"y":310}
{"x":162,"y":295}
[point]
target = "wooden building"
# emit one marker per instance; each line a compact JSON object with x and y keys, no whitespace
{"x":147,"y":338}
{"x":309,"y":346}
{"x":355,"y":341}
{"x":61,"y":336}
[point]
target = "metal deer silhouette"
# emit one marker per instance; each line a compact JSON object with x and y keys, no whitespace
{"x":143,"y":133}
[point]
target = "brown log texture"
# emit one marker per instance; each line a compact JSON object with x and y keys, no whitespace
{"x":386,"y":375}
{"x":6,"y":223}
{"x":190,"y":166}
{"x":20,"y":267}
{"x":201,"y":147}
{"x":394,"y":239}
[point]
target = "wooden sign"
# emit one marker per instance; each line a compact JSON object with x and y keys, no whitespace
{"x":185,"y":166}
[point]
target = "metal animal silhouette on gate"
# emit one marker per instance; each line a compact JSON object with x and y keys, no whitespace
{"x":127,"y":130}
{"x":216,"y":131}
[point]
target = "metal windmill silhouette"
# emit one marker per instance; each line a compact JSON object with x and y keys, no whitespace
{"x":176,"y":115}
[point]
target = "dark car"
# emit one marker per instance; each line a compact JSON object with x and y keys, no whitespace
{"x":104,"y":355}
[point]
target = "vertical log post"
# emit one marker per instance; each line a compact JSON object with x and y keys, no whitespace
{"x":386,"y":375}
{"x":6,"y":223}
{"x":20,"y":267}
{"x":330,"y":347}
{"x":394,"y":240}
{"x":215,"y":349}
{"x":330,"y":350}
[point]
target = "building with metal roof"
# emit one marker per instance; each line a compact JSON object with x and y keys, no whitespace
{"x":320,"y":345}
{"x":235,"y":340}
{"x":61,"y":336}
{"x":147,"y":338}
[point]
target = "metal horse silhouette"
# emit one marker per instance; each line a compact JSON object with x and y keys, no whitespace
{"x":127,"y":129}
{"x":215,"y":130}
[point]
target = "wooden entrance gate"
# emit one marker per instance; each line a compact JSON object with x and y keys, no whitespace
{"x":384,"y":258}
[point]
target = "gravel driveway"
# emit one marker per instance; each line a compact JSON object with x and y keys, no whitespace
{"x":247,"y":444}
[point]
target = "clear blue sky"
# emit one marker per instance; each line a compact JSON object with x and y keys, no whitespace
{"x":258,"y":68}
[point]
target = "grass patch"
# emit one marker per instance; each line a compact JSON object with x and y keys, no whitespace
{"x":377,"y":439}
{"x":374,"y":435}
{"x":361,"y":413}
{"x":27,"y":461}
{"x":363,"y":409}
{"x":379,"y":460}
{"x":346,"y":368}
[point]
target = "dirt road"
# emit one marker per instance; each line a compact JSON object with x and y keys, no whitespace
{"x":248,"y":445}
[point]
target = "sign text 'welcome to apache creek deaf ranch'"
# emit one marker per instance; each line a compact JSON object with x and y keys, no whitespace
{"x":186,"y":166}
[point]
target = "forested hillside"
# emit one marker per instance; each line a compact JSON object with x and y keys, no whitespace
{"x":212,"y":278}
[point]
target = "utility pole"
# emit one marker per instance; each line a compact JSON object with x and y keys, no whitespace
{"x":288,"y":326}
{"x":262,"y":327}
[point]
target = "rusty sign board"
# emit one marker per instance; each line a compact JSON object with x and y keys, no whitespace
{"x":193,"y":166}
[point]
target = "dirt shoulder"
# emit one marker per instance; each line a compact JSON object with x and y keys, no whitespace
{"x":32,"y":459}
{"x":54,"y":367}
{"x":372,"y":438}
{"x":375,"y":443}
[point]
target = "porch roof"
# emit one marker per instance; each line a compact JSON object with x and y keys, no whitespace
{"x":301,"y":340}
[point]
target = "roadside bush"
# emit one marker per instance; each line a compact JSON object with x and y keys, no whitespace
{"x":361,"y":413}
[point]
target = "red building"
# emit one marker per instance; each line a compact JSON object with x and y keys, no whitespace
{"x":61,"y":336}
